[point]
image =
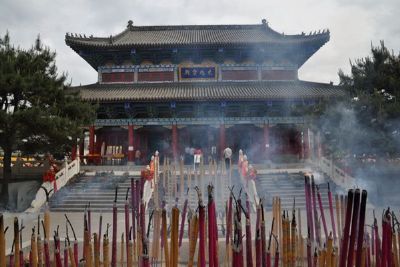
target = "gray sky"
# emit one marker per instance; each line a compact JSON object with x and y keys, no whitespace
{"x":354,"y":24}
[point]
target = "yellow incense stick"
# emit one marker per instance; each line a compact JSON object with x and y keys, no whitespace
{"x":194,"y":229}
{"x":122,"y":251}
{"x":39,"y":249}
{"x":329,"y":250}
{"x":71,"y":257}
{"x":47,"y":222}
{"x":33,"y":250}
{"x":129,"y":255}
{"x":106,"y":252}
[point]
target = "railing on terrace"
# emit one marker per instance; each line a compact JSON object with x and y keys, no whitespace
{"x":27,"y":169}
{"x":338,"y":175}
{"x":61,"y":178}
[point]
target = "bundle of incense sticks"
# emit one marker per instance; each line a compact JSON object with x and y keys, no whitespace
{"x":356,"y":245}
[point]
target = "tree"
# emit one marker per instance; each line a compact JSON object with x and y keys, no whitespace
{"x":38,"y":113}
{"x":367,"y":119}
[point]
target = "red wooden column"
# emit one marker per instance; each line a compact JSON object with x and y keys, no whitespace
{"x":131,"y":143}
{"x":73,"y":151}
{"x":266,"y":141}
{"x":175,"y":141}
{"x":222,"y":143}
{"x":306,"y":143}
{"x":81,"y":149}
{"x":91,"y":140}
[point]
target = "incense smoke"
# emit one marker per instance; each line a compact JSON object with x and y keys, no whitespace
{"x":356,"y":149}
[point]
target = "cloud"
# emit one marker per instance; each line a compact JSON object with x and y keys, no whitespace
{"x":353,"y":25}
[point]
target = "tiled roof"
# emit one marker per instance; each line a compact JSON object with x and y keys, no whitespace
{"x":208,"y":91}
{"x":194,"y":35}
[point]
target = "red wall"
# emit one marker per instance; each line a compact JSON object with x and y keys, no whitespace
{"x":279,"y":75}
{"x":117,"y":77}
{"x":239,"y":75}
{"x":156,"y":76}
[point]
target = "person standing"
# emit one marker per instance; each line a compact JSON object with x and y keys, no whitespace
{"x":213,"y":153}
{"x":244,"y":167}
{"x":197,"y":158}
{"x":251,"y":174}
{"x":137,"y":157}
{"x":240,"y":160}
{"x":227,"y":156}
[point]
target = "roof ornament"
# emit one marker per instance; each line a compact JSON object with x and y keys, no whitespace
{"x":264,"y":22}
{"x":110,"y":39}
{"x":130,"y":24}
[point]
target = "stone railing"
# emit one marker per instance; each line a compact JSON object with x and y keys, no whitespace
{"x":22,"y":169}
{"x":62,"y":177}
{"x":337,"y":175}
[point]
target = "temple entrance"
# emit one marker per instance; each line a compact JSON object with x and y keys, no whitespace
{"x":111,"y":141}
{"x":285,"y":143}
{"x":247,"y":137}
{"x":148,"y":139}
{"x":198,"y":136}
{"x":192,"y":137}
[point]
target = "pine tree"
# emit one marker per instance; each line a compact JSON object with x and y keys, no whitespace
{"x":38,"y":113}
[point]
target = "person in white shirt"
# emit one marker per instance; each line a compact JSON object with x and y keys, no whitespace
{"x":227,"y":156}
{"x":214,"y":153}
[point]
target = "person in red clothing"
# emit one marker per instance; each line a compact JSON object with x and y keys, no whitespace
{"x":244,"y":167}
{"x":251,"y":174}
{"x":49,"y":175}
{"x":240,"y":160}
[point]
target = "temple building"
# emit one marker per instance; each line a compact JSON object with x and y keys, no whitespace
{"x":173,"y":88}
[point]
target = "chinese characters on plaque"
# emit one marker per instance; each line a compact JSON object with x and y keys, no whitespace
{"x":197,"y":73}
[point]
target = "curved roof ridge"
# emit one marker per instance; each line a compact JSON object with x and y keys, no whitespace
{"x":208,"y":91}
{"x":224,"y":27}
{"x":204,"y":84}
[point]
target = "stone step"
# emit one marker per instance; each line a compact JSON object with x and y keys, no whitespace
{"x":100,"y":192}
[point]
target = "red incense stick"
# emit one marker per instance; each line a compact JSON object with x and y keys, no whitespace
{"x":114,"y":237}
{"x":321,"y":210}
{"x":354,"y":220}
{"x":202,"y":228}
{"x":127,"y":225}
{"x":249,"y":251}
{"x":331,"y":212}
{"x":182,"y":226}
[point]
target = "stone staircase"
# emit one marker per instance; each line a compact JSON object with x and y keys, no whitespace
{"x":98,"y":190}
{"x":289,"y":187}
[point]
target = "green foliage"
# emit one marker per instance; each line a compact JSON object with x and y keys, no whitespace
{"x":37,"y":111}
{"x":37,"y":114}
{"x":367,"y":121}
